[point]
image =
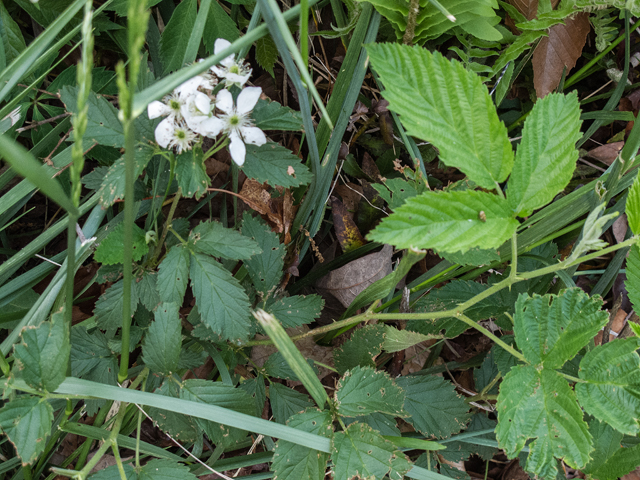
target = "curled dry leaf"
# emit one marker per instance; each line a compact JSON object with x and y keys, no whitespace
{"x":606,"y":153}
{"x":560,"y":49}
{"x":346,"y":229}
{"x":529,"y":8}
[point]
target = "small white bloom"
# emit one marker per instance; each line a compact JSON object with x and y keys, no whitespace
{"x":196,"y":109}
{"x":234,"y":72}
{"x":170,"y":106}
{"x":236,"y":122}
{"x":170,"y":134}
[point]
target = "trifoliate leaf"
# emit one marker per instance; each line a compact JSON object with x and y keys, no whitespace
{"x":448,"y":221}
{"x":41,"y":359}
{"x":612,"y":391}
{"x":273,"y":116}
{"x":213,"y":239}
{"x":540,"y":405}
{"x":360,"y":452}
{"x":27,"y":422}
{"x":632,"y":208}
{"x":221,"y":395}
{"x":610,"y":461}
{"x":442,"y":102}
{"x":296,"y":310}
{"x":547,"y":154}
{"x":275,"y":165}
{"x":295,"y":462}
{"x":435,"y":407}
{"x":108,"y":309}
{"x":222,"y":302}
{"x":148,"y":290}
{"x":265,"y":270}
{"x":398,"y":340}
{"x":286,"y":402}
{"x":364,"y":390}
{"x":162,"y":344}
{"x":632,"y":282}
{"x":173,"y":275}
{"x":191,"y":173}
{"x":551,"y":330}
{"x":361,"y":349}
{"x":111,"y":249}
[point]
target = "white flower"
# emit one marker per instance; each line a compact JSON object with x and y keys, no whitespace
{"x":172,"y":105}
{"x":170,"y":133}
{"x":195,"y":110}
{"x":234,"y":72}
{"x":236,"y":121}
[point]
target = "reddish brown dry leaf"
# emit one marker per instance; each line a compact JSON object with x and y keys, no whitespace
{"x":279,"y":212}
{"x":529,"y":8}
{"x":635,"y":475}
{"x":350,"y":195}
{"x":616,"y":327}
{"x":606,"y":153}
{"x":346,"y":229}
{"x":560,"y":49}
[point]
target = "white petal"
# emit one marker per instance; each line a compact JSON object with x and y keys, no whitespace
{"x":253,"y":135}
{"x":220,"y":45}
{"x":211,"y":127}
{"x":202,"y":102}
{"x":164,"y":132}
{"x":194,"y":121}
{"x":237,"y":79}
{"x":247,"y":99}
{"x":224,"y":101}
{"x":237,"y":149}
{"x":190,"y":86}
{"x":219,"y":71}
{"x":157,"y":109}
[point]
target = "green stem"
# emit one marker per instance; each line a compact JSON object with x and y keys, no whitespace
{"x":26,"y":472}
{"x":304,"y":31}
{"x":490,"y":335}
{"x":4,"y":365}
{"x":572,"y":379}
{"x":167,"y":225}
{"x":116,"y":455}
{"x":514,"y":256}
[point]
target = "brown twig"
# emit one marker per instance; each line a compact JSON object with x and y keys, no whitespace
{"x":42,"y":122}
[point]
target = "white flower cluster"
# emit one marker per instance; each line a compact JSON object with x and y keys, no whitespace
{"x":192,"y":110}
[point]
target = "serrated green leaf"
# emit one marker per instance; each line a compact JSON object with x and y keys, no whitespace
{"x":181,"y":427}
{"x":12,"y":40}
{"x":488,"y":371}
{"x":612,"y":391}
{"x":173,"y":275}
{"x":364,"y":390}
{"x":457,"y":451}
{"x":361,"y":349}
{"x":547,"y":154}
{"x":474,"y":256}
{"x":274,"y":116}
{"x":213,"y":239}
{"x":27,"y":422}
{"x":286,"y":402}
{"x":222,"y":302}
{"x":443,"y":103}
{"x":266,"y":53}
{"x":397,"y":340}
{"x":360,"y":452}
{"x":113,"y":183}
{"x":91,"y":357}
{"x":539,"y":404}
{"x":551,"y":330}
{"x":219,"y":25}
{"x":148,"y":290}
{"x":266,"y":269}
{"x":400,"y":465}
{"x":191,"y":173}
{"x":256,"y":389}
{"x":160,"y":469}
{"x":295,"y":462}
{"x":175,"y":38}
{"x":632,"y":208}
{"x":396,"y":190}
{"x":382,"y":423}
{"x":163,"y":341}
{"x":296,"y":310}
{"x":276,"y":366}
{"x":448,"y":221}
{"x":609,"y":461}
{"x":111,"y":249}
{"x":108,"y":310}
{"x":275,"y":165}
{"x":435,"y":407}
{"x":42,"y":357}
{"x":221,"y":395}
{"x":113,"y":473}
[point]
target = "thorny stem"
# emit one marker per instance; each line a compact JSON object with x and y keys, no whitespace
{"x":410,"y":32}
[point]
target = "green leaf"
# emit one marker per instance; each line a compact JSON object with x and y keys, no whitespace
{"x":361,"y":349}
{"x":632,"y":208}
{"x":382,"y":423}
{"x":213,"y":239}
{"x":435,"y":407}
{"x":443,"y":103}
{"x":148,"y":290}
{"x":360,"y":452}
{"x":256,"y":389}
{"x":295,"y":462}
{"x":175,"y":38}
{"x":113,"y":182}
{"x":474,"y":256}
{"x":632,"y":283}
{"x":181,"y":427}
{"x":191,"y":173}
{"x":286,"y":402}
{"x":488,"y":371}
{"x":221,"y":395}
{"x":41,"y":359}
{"x":547,"y":154}
{"x":398,"y":340}
{"x":539,"y":404}
{"x":273,"y":116}
{"x":222,"y":302}
{"x":173,"y":275}
{"x":219,"y":25}
{"x":362,"y":391}
{"x":113,"y":473}
{"x":448,"y":221}
{"x":111,"y":249}
{"x":296,"y":310}
{"x":91,"y":357}
{"x":275,"y":165}
{"x":121,"y":7}
{"x":276,"y":366}
{"x":458,"y":451}
{"x":266,"y":54}
{"x":400,"y":465}
{"x":108,"y":310}
{"x":395,"y":191}
{"x":27,"y":422}
{"x":612,"y":391}
{"x":165,"y":470}
{"x":414,"y":443}
{"x":266,"y":269}
{"x":163,"y":341}
{"x":12,"y":39}
{"x":551,"y":330}
{"x":610,"y":461}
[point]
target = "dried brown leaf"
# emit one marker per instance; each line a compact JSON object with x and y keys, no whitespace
{"x":529,"y":8}
{"x":606,"y":153}
{"x":560,"y":49}
{"x":346,"y":229}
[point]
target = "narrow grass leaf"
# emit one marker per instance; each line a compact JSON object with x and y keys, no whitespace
{"x":632,"y":208}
